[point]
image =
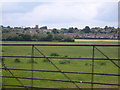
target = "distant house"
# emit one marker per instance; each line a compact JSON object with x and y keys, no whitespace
{"x":92,"y":35}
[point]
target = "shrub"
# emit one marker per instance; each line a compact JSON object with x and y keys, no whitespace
{"x":2,"y":60}
{"x":101,"y":63}
{"x":86,"y":64}
{"x":54,"y":54}
{"x":66,"y":56}
{"x":46,"y":60}
{"x":17,"y":60}
{"x":64,"y":62}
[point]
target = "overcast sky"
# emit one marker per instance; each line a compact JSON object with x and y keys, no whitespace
{"x":59,"y":13}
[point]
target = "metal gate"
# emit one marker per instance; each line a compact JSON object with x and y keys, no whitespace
{"x":77,"y":83}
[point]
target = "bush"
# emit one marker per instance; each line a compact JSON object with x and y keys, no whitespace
{"x":54,"y":54}
{"x":86,"y":64}
{"x":17,"y":60}
{"x":101,"y":63}
{"x":64,"y":62}
{"x":65,"y":56}
{"x":2,"y":60}
{"x":46,"y":60}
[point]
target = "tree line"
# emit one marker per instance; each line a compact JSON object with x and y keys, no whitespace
{"x":24,"y":34}
{"x":36,"y":37}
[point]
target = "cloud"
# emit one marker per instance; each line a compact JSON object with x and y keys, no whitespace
{"x":59,"y":0}
{"x":18,"y":7}
{"x":108,"y":12}
{"x":60,"y":13}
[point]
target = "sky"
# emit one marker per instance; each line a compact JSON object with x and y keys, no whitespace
{"x":59,"y":13}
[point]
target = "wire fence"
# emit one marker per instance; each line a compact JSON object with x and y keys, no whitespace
{"x":58,"y":70}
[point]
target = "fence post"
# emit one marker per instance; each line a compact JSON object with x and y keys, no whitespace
{"x":118,"y":71}
{"x":92,"y":79}
{"x":32,"y":65}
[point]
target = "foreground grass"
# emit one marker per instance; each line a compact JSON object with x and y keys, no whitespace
{"x":73,"y":65}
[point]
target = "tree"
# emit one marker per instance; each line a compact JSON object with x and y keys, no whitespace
{"x":96,"y":28}
{"x":36,"y":37}
{"x":106,"y":27}
{"x":39,"y":37}
{"x":87,"y":29}
{"x":8,"y":26}
{"x":58,"y":37}
{"x":44,"y":27}
{"x":6,"y":31}
{"x":27,"y":28}
{"x":64,"y":30}
{"x":71,"y":30}
{"x":55,"y":31}
{"x":1,"y":26}
{"x":14,"y":37}
{"x":26,"y":37}
{"x":67,"y":39}
{"x":76,"y":28}
{"x":49,"y":37}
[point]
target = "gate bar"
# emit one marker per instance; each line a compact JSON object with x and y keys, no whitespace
{"x":72,"y":72}
{"x":62,"y":80}
{"x":29,"y":44}
{"x":58,"y":57}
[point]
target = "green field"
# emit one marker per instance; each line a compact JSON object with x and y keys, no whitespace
{"x":101,"y":66}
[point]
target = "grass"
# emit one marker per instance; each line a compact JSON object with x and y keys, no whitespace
{"x":73,"y":65}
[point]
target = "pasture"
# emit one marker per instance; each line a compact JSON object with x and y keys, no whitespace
{"x":101,"y":66}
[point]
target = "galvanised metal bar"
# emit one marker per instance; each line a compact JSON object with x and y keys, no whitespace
{"x":119,"y":70}
{"x":93,"y":55}
{"x":12,"y":56}
{"x":62,"y":80}
{"x":62,"y":71}
{"x":29,"y":44}
{"x":23,"y":86}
